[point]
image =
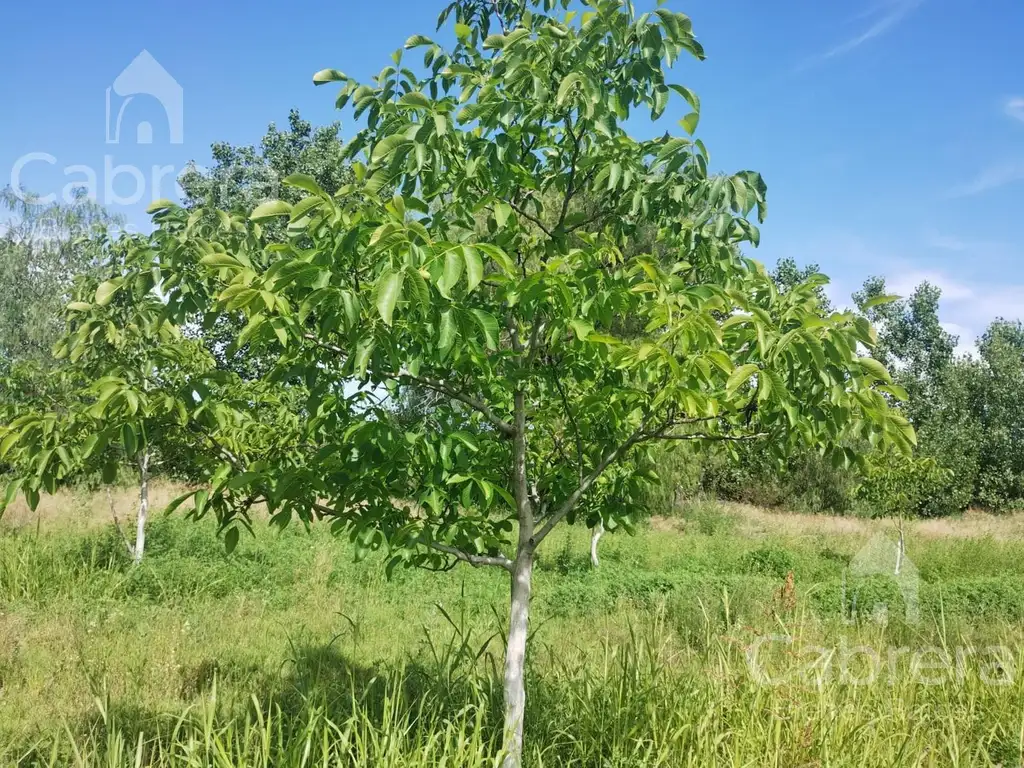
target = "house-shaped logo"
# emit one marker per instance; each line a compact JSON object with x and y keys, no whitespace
{"x":145,"y":77}
{"x":883,"y":557}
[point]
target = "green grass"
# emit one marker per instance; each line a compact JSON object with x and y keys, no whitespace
{"x":288,"y":653}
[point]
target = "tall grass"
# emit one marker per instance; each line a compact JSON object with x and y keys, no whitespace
{"x":290,"y":654}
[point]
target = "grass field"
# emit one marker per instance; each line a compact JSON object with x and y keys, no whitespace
{"x":725,"y":636}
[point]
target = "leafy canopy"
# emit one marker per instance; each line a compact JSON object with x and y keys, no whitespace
{"x":459,"y":261}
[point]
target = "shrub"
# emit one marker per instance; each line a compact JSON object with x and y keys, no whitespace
{"x":899,"y":485}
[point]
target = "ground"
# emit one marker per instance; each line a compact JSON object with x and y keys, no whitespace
{"x":724,"y":636}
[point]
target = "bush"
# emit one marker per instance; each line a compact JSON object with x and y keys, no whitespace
{"x":900,"y":485}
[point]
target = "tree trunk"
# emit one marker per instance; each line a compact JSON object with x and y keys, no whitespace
{"x":519,"y":615}
{"x":515,"y":659}
{"x":598,"y":533}
{"x":140,"y":526}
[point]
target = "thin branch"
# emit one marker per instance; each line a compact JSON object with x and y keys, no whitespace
{"x":117,"y":525}
{"x":569,"y":504}
{"x":479,"y":405}
{"x":431,"y":383}
{"x":477,"y":561}
{"x":704,"y":436}
{"x":575,"y":427}
{"x":522,"y":212}
{"x":501,"y":20}
{"x":570,"y":188}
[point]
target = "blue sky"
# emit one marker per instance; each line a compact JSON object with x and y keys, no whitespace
{"x":890,"y":132}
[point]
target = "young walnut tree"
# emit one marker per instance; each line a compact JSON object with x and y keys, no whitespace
{"x":482,"y":256}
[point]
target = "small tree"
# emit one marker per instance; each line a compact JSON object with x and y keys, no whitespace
{"x":129,"y":389}
{"x":468,"y":284}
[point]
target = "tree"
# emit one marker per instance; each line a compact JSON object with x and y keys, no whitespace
{"x":41,"y":251}
{"x":911,"y":339}
{"x":243,"y":177}
{"x":129,"y":388}
{"x":999,"y":409}
{"x":465,"y":285}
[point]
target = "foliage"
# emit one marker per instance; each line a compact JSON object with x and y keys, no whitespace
{"x":967,"y":411}
{"x":132,"y":388}
{"x":242,"y":178}
{"x":896,"y":485}
{"x":42,"y":249}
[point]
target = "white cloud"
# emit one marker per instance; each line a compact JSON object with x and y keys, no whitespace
{"x":904,"y":284}
{"x":991,"y":178}
{"x":885,"y":17}
{"x":1014,"y":108}
{"x":966,"y":308}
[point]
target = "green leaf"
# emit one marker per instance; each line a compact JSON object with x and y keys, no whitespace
{"x":305,"y":182}
{"x":160,"y":205}
{"x":739,"y":377}
{"x":329,"y":76}
{"x":502,"y":212}
{"x":230,"y":540}
{"x":463,"y":31}
{"x":453,"y":265}
{"x":874,"y":369}
{"x":689,"y":123}
{"x":415,"y":99}
{"x":270,"y":209}
{"x":690,"y":96}
{"x":474,"y":267}
{"x":106,"y":291}
{"x":447,"y":332}
{"x":418,"y":40}
{"x":876,"y":301}
{"x":489,"y":325}
{"x":388,"y":292}
{"x":581,"y":328}
{"x":79,"y":306}
{"x":569,"y":83}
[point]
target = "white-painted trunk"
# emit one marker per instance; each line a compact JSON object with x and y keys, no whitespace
{"x":596,"y":537}
{"x":519,"y":613}
{"x":515,"y":659}
{"x":140,"y":525}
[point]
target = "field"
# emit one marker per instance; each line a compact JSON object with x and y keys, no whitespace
{"x":723,"y":636}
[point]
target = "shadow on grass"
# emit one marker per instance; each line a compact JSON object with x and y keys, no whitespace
{"x":318,"y":690}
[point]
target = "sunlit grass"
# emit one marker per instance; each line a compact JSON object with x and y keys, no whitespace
{"x":290,"y":654}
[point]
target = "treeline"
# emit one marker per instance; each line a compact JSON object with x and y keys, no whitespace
{"x":968,"y":410}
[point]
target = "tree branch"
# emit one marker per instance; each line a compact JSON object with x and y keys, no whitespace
{"x":477,"y":561}
{"x":705,"y":436}
{"x":431,"y":383}
{"x":570,"y":189}
{"x":575,"y":426}
{"x":569,"y":504}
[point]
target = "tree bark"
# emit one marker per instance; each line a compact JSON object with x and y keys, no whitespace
{"x":598,"y":533}
{"x":140,"y":526}
{"x":515,"y":659}
{"x":519,"y":615}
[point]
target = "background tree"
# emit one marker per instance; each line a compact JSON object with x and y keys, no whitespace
{"x":43,"y":247}
{"x":243,"y":177}
{"x":131,"y":389}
